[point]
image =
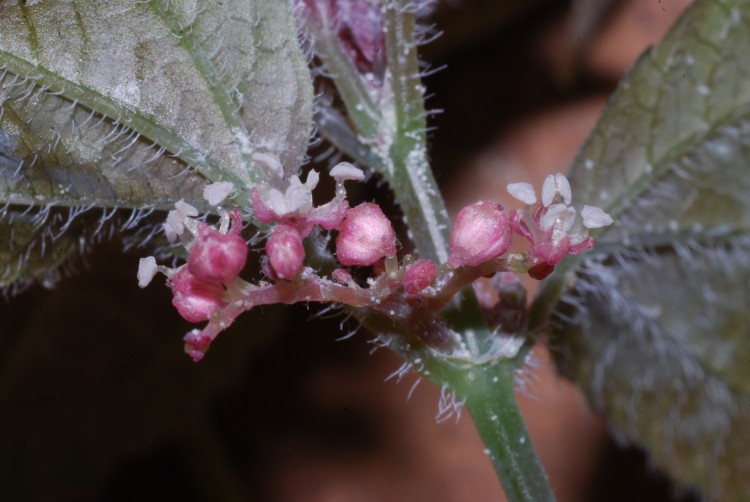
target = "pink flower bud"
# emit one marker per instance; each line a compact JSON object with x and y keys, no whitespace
{"x":418,"y":276}
{"x":481,"y":233}
{"x":285,"y":252}
{"x":217,"y":257}
{"x":365,"y":236}
{"x":194,"y":298}
{"x":342,"y":276}
{"x":361,"y":34}
{"x":196,"y":344}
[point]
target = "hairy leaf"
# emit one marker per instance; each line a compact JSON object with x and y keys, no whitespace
{"x":39,"y":241}
{"x":656,"y":327}
{"x":138,"y":104}
{"x":34,"y":250}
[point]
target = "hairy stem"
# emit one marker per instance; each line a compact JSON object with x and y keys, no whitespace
{"x":353,"y":92}
{"x":488,"y":389}
{"x":484,"y":376}
{"x":409,"y":173}
{"x":492,"y":404}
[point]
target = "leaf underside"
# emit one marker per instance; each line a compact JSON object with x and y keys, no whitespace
{"x":656,"y":327}
{"x":140,"y":104}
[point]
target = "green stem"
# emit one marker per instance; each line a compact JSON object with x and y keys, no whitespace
{"x":362,"y":111}
{"x":488,"y":391}
{"x":485,"y":379}
{"x":409,"y":174}
{"x":334,"y":128}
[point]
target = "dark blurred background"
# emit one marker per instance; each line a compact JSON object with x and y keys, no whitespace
{"x":98,"y":402}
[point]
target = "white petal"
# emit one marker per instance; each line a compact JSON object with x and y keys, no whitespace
{"x":270,"y":163}
{"x":551,"y":215}
{"x":563,"y":223}
{"x":174,"y":225}
{"x":523,"y":192}
{"x":169,"y":232}
{"x":548,"y":191}
{"x":146,"y":271}
{"x":276,"y":202}
{"x":298,"y":197}
{"x":568,"y":218}
{"x":345,"y":171}
{"x":563,"y":187}
{"x":215,"y":193}
{"x":312,"y":180}
{"x":594,"y":217}
{"x":185,"y":209}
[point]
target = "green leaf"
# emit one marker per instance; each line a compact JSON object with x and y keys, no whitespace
{"x":39,"y":242}
{"x":656,"y":326}
{"x":205,"y":81}
{"x":139,"y":104}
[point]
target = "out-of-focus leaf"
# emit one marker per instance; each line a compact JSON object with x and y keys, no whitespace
{"x":33,"y":250}
{"x":139,"y":104}
{"x":38,"y":243}
{"x":656,"y":325}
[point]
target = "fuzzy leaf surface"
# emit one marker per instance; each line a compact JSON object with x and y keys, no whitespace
{"x":656,"y":326}
{"x":139,"y":104}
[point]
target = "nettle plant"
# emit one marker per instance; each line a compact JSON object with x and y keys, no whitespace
{"x":200,"y":114}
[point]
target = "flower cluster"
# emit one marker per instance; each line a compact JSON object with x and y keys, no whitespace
{"x":208,"y":286}
{"x":216,"y":257}
{"x":482,"y":231}
{"x":553,"y":228}
{"x":365,"y":234}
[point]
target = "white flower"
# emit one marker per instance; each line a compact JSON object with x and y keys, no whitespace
{"x":344,"y":171}
{"x":297,"y":198}
{"x":176,"y":219}
{"x":147,"y":268}
{"x":556,"y":184}
{"x":215,"y":193}
{"x":523,"y":191}
{"x":560,"y":215}
{"x":594,"y":217}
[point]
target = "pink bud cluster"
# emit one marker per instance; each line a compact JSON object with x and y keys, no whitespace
{"x":208,"y":287}
{"x":365,"y":234}
{"x":216,"y":258}
{"x":482,"y":231}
